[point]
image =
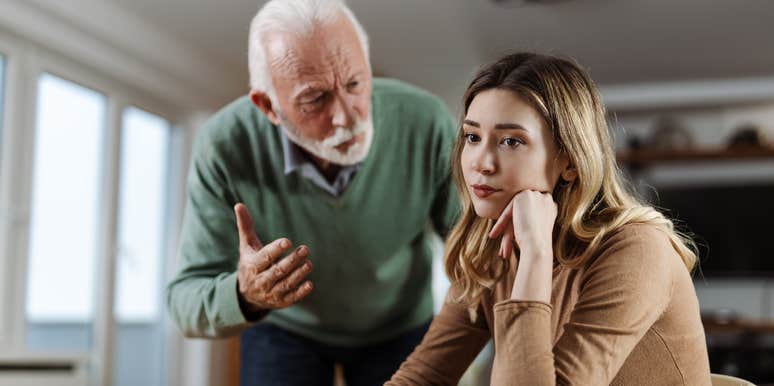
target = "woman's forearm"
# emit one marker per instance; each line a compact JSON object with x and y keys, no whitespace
{"x":534,"y":275}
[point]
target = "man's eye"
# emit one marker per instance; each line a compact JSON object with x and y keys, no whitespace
{"x":314,"y":99}
{"x":471,"y":138}
{"x":353,"y":85}
{"x":319,"y":99}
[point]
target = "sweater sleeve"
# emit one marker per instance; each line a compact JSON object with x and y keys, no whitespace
{"x":202,"y":298}
{"x":448,"y":348}
{"x":622,"y":294}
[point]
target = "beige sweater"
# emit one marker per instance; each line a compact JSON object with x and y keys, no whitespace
{"x":628,"y":317}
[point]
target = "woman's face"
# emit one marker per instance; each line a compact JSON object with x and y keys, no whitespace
{"x":508,"y":148}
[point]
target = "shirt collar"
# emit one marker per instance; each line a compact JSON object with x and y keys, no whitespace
{"x":295,"y":160}
{"x":292,"y":154}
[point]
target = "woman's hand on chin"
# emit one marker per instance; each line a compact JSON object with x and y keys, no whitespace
{"x":532,"y":215}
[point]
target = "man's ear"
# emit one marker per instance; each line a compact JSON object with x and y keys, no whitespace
{"x":263,"y":102}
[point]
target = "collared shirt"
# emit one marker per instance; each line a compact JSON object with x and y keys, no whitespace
{"x":296,"y":160}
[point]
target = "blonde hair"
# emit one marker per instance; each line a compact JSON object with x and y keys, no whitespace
{"x":590,"y":207}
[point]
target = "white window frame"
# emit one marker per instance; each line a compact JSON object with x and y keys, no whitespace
{"x":6,"y":216}
{"x":25,"y":62}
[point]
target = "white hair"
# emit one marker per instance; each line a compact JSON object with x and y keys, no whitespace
{"x":294,"y":16}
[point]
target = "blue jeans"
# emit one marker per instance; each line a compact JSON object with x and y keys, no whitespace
{"x":271,"y":356}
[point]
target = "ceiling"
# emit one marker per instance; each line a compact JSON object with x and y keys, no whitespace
{"x":437,"y":44}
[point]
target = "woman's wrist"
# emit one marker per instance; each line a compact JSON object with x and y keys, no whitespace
{"x":534,"y":275}
{"x":536,"y":252}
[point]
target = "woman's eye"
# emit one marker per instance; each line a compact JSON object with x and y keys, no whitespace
{"x":471,"y":138}
{"x":511,"y":142}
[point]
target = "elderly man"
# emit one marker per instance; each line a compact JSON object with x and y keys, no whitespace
{"x":343,"y":172}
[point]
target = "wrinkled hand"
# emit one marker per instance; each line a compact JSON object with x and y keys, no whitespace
{"x":528,"y":219}
{"x":266,"y":280}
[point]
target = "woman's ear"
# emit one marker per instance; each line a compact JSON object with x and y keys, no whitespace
{"x":569,"y":173}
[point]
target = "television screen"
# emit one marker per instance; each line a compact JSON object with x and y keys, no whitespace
{"x":732,"y":225}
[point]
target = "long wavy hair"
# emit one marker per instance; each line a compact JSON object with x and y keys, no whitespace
{"x":590,"y":207}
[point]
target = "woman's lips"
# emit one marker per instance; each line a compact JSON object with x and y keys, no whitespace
{"x":484,"y":191}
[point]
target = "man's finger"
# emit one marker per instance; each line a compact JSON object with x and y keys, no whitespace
{"x":270,"y":253}
{"x":502,"y":222}
{"x":299,"y":293}
{"x":287,"y":264}
{"x":291,"y":282}
{"x":245,"y":227}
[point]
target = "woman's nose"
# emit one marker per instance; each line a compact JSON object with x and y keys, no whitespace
{"x":484,"y":163}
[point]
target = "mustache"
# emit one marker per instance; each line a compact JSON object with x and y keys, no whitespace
{"x":342,"y":135}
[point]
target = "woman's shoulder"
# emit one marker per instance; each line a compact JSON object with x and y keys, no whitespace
{"x":643,"y":236}
{"x":636,"y":249}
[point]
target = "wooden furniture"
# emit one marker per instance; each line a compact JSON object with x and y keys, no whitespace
{"x":646,"y":157}
{"x":738,"y":326}
{"x":737,"y":346}
{"x":742,"y":347}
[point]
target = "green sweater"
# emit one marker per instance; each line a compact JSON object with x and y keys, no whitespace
{"x":369,"y":246}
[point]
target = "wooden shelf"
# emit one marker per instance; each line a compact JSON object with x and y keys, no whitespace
{"x":739,"y":326}
{"x":646,"y":157}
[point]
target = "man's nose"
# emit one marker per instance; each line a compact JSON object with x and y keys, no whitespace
{"x":343,"y":112}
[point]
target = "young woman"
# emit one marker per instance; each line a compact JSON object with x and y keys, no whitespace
{"x":576,"y":280}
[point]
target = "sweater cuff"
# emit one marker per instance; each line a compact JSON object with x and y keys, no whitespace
{"x":227,"y":299}
{"x":521,"y":305}
{"x":522,"y":337}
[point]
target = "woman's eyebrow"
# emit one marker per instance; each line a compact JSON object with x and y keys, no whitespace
{"x":510,"y":126}
{"x":471,"y":123}
{"x":501,"y":126}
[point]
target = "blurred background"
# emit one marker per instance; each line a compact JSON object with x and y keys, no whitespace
{"x":100,"y":101}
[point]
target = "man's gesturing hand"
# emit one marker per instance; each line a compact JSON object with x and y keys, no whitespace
{"x":266,"y":280}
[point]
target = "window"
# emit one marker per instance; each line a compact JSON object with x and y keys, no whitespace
{"x":70,"y":123}
{"x":144,"y":151}
{"x":90,"y":185}
{"x":2,"y":97}
{"x":4,"y":319}
{"x":145,"y":143}
{"x":2,"y":93}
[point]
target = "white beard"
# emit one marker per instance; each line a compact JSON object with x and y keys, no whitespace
{"x":326,"y":149}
